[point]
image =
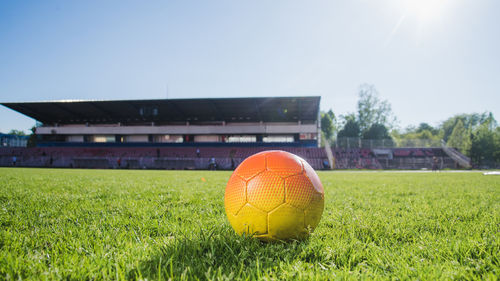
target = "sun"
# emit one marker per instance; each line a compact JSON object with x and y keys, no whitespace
{"x":424,"y":15}
{"x":427,"y":10}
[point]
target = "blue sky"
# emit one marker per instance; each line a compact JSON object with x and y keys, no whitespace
{"x":430,"y":58}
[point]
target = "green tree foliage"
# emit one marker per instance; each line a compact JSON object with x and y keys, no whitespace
{"x":372,"y":110}
{"x":328,"y":124}
{"x":351,"y":128}
{"x":474,"y":135}
{"x":424,"y":127}
{"x":460,"y":138}
{"x":470,"y":122}
{"x":427,"y":135}
{"x":377,"y":132}
{"x":424,"y":134}
{"x":373,"y":119}
{"x":485,"y":145}
{"x":17,"y":133}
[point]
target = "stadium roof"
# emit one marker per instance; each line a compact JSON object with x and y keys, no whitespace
{"x":270,"y":109}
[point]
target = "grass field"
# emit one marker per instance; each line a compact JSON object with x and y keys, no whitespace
{"x":160,"y":225}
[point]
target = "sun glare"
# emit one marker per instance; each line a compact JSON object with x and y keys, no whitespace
{"x":426,"y":15}
{"x":427,"y":10}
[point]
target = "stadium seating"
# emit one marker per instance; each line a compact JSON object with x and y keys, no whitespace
{"x":355,"y":158}
{"x":145,"y":157}
{"x":226,"y":157}
{"x":395,"y":158}
{"x":417,"y":158}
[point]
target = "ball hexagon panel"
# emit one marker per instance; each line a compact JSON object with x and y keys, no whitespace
{"x":299,"y":191}
{"x":266,"y":191}
{"x":235,"y":196}
{"x":314,"y":211}
{"x":283,"y":163}
{"x":311,"y":174}
{"x":252,"y":166}
{"x":249,"y":220}
{"x":286,"y":222}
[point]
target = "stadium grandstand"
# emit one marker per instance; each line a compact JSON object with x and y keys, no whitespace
{"x":191,"y":122}
{"x":214,"y":133}
{"x":169,"y":133}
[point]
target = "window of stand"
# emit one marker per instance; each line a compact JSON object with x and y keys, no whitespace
{"x":241,"y":138}
{"x":278,"y":138}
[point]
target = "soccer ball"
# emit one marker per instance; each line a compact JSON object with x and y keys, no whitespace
{"x":274,"y":195}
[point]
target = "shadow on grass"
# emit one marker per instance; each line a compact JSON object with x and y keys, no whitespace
{"x":216,"y":254}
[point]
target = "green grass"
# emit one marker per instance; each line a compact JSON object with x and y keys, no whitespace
{"x":160,"y":225}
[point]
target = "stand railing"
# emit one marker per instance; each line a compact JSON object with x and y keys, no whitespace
{"x":461,"y":159}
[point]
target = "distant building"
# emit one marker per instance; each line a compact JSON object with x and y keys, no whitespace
{"x":7,"y":140}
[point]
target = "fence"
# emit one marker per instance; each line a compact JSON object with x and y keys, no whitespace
{"x":384,"y":143}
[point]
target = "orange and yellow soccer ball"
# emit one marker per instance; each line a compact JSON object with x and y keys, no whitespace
{"x":274,"y":195}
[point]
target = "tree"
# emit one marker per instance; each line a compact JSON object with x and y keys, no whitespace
{"x":427,"y":135}
{"x":373,"y":110}
{"x":17,"y":133}
{"x":328,"y":124}
{"x":426,"y":127}
{"x":350,"y":130}
{"x":423,"y":135}
{"x":473,"y":134}
{"x":460,"y":138}
{"x":496,"y":152}
{"x":485,"y":146}
{"x":471,"y":122}
{"x":423,"y":131}
{"x":449,"y":124}
{"x":377,"y":132}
